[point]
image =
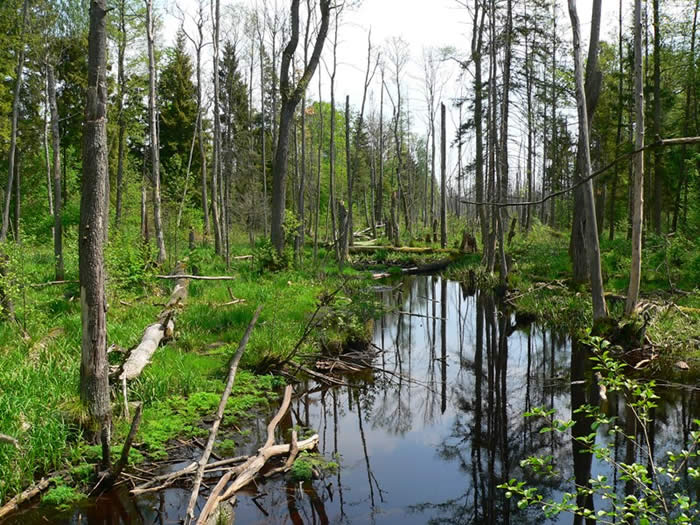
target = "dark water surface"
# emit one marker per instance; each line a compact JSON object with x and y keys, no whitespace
{"x":430,"y":440}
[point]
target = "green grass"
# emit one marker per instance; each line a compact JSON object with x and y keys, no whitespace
{"x":40,"y":358}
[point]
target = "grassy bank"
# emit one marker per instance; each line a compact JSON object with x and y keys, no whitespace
{"x":40,"y":354}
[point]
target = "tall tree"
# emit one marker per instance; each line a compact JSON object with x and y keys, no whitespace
{"x":593,"y":80}
{"x":94,"y":365}
{"x":19,"y":72}
{"x":56,"y":170}
{"x":291,"y":95}
{"x":600,"y":310}
{"x":658,"y":123}
{"x":638,"y":189}
{"x":153,"y":131}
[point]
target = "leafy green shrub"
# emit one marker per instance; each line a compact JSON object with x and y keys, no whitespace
{"x":659,"y":495}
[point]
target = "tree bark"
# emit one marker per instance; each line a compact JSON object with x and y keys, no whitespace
{"x":598,"y":294}
{"x":153,"y":131}
{"x":443,"y":177}
{"x":216,"y":188}
{"x":13,"y":132}
{"x":638,"y":188}
{"x":94,"y":366}
{"x":56,"y":176}
{"x":290,"y":100}
{"x":593,"y":82}
{"x":658,"y":156}
{"x":121,"y":121}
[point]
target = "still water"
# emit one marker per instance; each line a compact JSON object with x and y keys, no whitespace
{"x":428,"y":439}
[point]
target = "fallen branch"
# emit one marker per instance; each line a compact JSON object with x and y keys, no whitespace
{"x":412,"y":314}
{"x":400,"y":249}
{"x":168,"y":479}
{"x":9,"y":440}
{"x":248,"y":470}
{"x":204,"y":459}
{"x":52,"y":283}
{"x":198,"y":277}
{"x":33,"y":491}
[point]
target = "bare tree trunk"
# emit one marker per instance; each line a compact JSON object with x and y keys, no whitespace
{"x":618,"y":140}
{"x":13,"y":132}
{"x":318,"y":169}
{"x":638,"y":191}
{"x":47,"y":157}
{"x":443,"y":177}
{"x":121,"y":87}
{"x":263,"y":147}
{"x":153,"y":130}
{"x":347,"y":237}
{"x":94,"y":366}
{"x":380,"y":184}
{"x":594,"y":80}
{"x":331,"y":148}
{"x":658,"y":167}
{"x":56,"y":145}
{"x":600,"y":310}
{"x":216,"y":188}
{"x":290,"y":99}
{"x":302,"y":177}
{"x":18,"y":200}
{"x":477,"y":44}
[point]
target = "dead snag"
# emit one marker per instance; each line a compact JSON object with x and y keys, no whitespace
{"x":204,"y":459}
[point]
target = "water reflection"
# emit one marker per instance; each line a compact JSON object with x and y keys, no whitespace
{"x":429,"y":439}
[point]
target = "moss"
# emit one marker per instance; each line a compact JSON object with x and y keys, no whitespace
{"x":62,"y":497}
{"x":309,"y":463}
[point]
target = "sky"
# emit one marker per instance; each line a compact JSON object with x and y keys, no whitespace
{"x":422,"y":24}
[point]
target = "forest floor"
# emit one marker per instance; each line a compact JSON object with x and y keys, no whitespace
{"x":181,"y":387}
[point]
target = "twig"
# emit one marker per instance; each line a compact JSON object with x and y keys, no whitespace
{"x":9,"y":440}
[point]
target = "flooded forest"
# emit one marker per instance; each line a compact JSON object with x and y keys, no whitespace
{"x":364,"y":261}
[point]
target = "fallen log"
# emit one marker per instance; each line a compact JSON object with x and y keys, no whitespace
{"x":246,"y":472}
{"x":155,"y":333}
{"x":400,"y":249}
{"x":29,"y":494}
{"x":204,"y":459}
{"x":198,"y":277}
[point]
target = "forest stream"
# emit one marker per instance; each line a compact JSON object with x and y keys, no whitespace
{"x":429,"y":440}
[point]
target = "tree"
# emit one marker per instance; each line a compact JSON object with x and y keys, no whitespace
{"x":153,"y":131}
{"x":56,"y":145}
{"x":290,"y":96}
{"x":593,"y":82}
{"x":94,"y":365}
{"x":13,"y":136}
{"x":600,"y":310}
{"x":178,"y":114}
{"x":638,"y":191}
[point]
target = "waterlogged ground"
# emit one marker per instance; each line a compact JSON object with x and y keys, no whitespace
{"x":429,"y":440}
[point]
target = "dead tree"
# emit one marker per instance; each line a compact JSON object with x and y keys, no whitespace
{"x":56,"y":175}
{"x":638,"y":189}
{"x":600,"y":310}
{"x":153,"y":131}
{"x":290,"y":96}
